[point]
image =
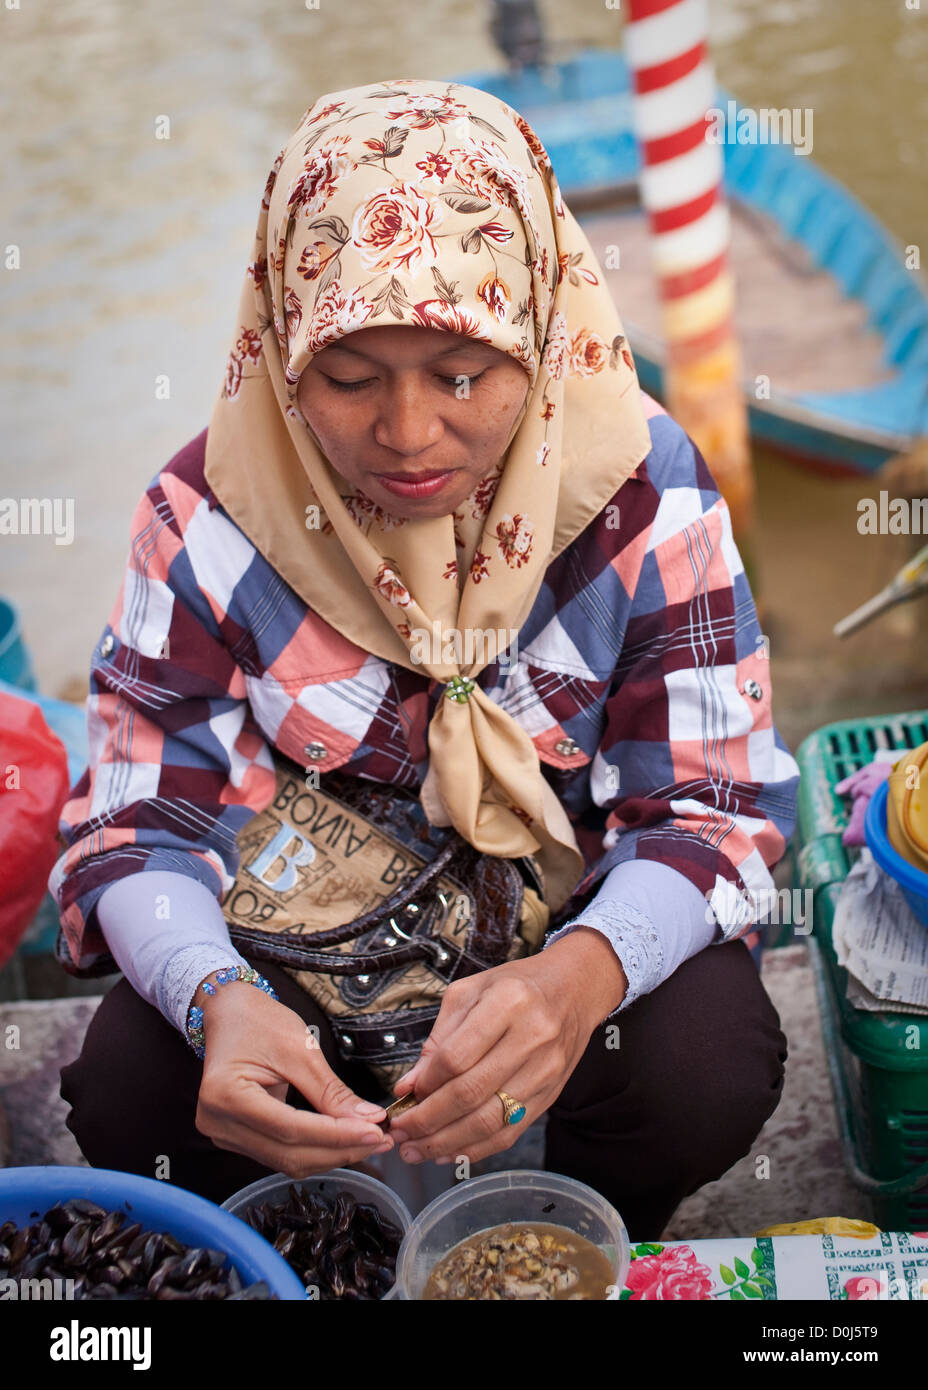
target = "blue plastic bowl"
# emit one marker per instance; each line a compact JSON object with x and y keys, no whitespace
{"x":912,"y":881}
{"x":15,"y":660}
{"x":27,"y":1193}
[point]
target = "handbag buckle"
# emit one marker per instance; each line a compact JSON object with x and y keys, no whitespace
{"x":398,"y":930}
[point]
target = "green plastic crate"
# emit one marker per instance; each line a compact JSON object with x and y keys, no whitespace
{"x":880,"y":1078}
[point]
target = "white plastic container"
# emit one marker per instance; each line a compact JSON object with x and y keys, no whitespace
{"x":516,"y":1195}
{"x":276,"y":1189}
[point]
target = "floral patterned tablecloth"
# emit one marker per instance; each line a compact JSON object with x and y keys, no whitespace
{"x":890,"y":1265}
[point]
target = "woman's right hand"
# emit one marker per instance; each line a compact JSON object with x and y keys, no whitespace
{"x":255,"y":1046}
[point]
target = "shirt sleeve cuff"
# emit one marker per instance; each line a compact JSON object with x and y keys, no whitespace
{"x":183,"y":971}
{"x":167,"y":933}
{"x":653,"y":917}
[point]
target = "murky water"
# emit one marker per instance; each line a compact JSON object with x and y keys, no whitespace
{"x":133,"y":247}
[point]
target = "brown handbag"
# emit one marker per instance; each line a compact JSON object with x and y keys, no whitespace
{"x":373,"y":910}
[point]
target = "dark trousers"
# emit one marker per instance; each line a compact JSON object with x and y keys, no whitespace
{"x":652,"y":1111}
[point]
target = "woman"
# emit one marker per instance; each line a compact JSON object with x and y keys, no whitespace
{"x":430,"y":425}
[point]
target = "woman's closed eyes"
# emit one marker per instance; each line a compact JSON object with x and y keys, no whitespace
{"x":450,"y":381}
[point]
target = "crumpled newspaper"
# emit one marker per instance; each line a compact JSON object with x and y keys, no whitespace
{"x":880,"y":942}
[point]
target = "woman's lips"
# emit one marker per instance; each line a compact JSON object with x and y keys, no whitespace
{"x":414,"y":485}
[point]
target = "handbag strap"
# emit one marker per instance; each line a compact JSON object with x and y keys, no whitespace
{"x":418,"y":886}
{"x":283,"y":949}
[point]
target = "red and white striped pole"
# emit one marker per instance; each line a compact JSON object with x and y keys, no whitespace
{"x":673,"y":85}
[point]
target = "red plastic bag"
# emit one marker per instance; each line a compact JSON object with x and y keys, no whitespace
{"x":34,"y":785}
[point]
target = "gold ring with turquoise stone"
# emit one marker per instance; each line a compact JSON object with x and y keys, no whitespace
{"x":513,"y":1110}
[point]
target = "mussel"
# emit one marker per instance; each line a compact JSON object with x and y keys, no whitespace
{"x":96,"y":1255}
{"x":340,"y":1249}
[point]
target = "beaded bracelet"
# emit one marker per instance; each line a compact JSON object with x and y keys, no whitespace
{"x":247,"y":974}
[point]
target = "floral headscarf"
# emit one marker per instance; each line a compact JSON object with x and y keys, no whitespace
{"x":434,"y":205}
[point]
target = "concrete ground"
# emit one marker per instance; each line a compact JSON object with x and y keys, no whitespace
{"x":806,"y":1178}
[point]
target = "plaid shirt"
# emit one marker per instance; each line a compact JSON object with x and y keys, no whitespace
{"x":642,"y":678}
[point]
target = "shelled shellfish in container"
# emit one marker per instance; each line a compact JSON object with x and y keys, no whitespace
{"x":519,"y":1235}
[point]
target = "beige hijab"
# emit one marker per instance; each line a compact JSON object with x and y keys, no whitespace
{"x":435,"y":205}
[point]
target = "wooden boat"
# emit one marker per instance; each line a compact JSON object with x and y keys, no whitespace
{"x":831,"y":322}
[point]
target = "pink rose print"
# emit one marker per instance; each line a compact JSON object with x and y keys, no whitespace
{"x":434,"y":166}
{"x":619,"y":349}
{"x":451,"y":570}
{"x":438,"y":313}
{"x":863,"y":1286}
{"x":495,"y":231}
{"x":313,"y":188}
{"x":547,"y":411}
{"x":514,"y":535}
{"x":293,"y":312}
{"x":570,"y":269}
{"x":484,"y":492}
{"x":279,"y":331}
{"x":496,"y":295}
{"x":314,"y":258}
{"x":589,"y":353}
{"x":531,"y":139}
{"x":482,"y":168}
{"x":279,"y":255}
{"x":556,"y":194}
{"x":247,"y":348}
{"x":360,"y":508}
{"x":422,"y":112}
{"x":393,"y":229}
{"x":523,"y":355}
{"x":233,"y":378}
{"x":248,"y":345}
{"x":329,"y":110}
{"x":557,"y":349}
{"x":673,"y":1274}
{"x":390,"y":586}
{"x":336,"y":313}
{"x":258,"y":272}
{"x":269,"y":186}
{"x":479,"y":566}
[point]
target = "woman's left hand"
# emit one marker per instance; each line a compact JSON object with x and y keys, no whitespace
{"x":521,"y":1028}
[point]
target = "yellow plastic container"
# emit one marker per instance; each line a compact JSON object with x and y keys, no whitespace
{"x":907,"y":807}
{"x":824,"y":1226}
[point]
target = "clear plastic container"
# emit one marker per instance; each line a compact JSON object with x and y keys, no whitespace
{"x":276,"y":1188}
{"x":517,"y":1195}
